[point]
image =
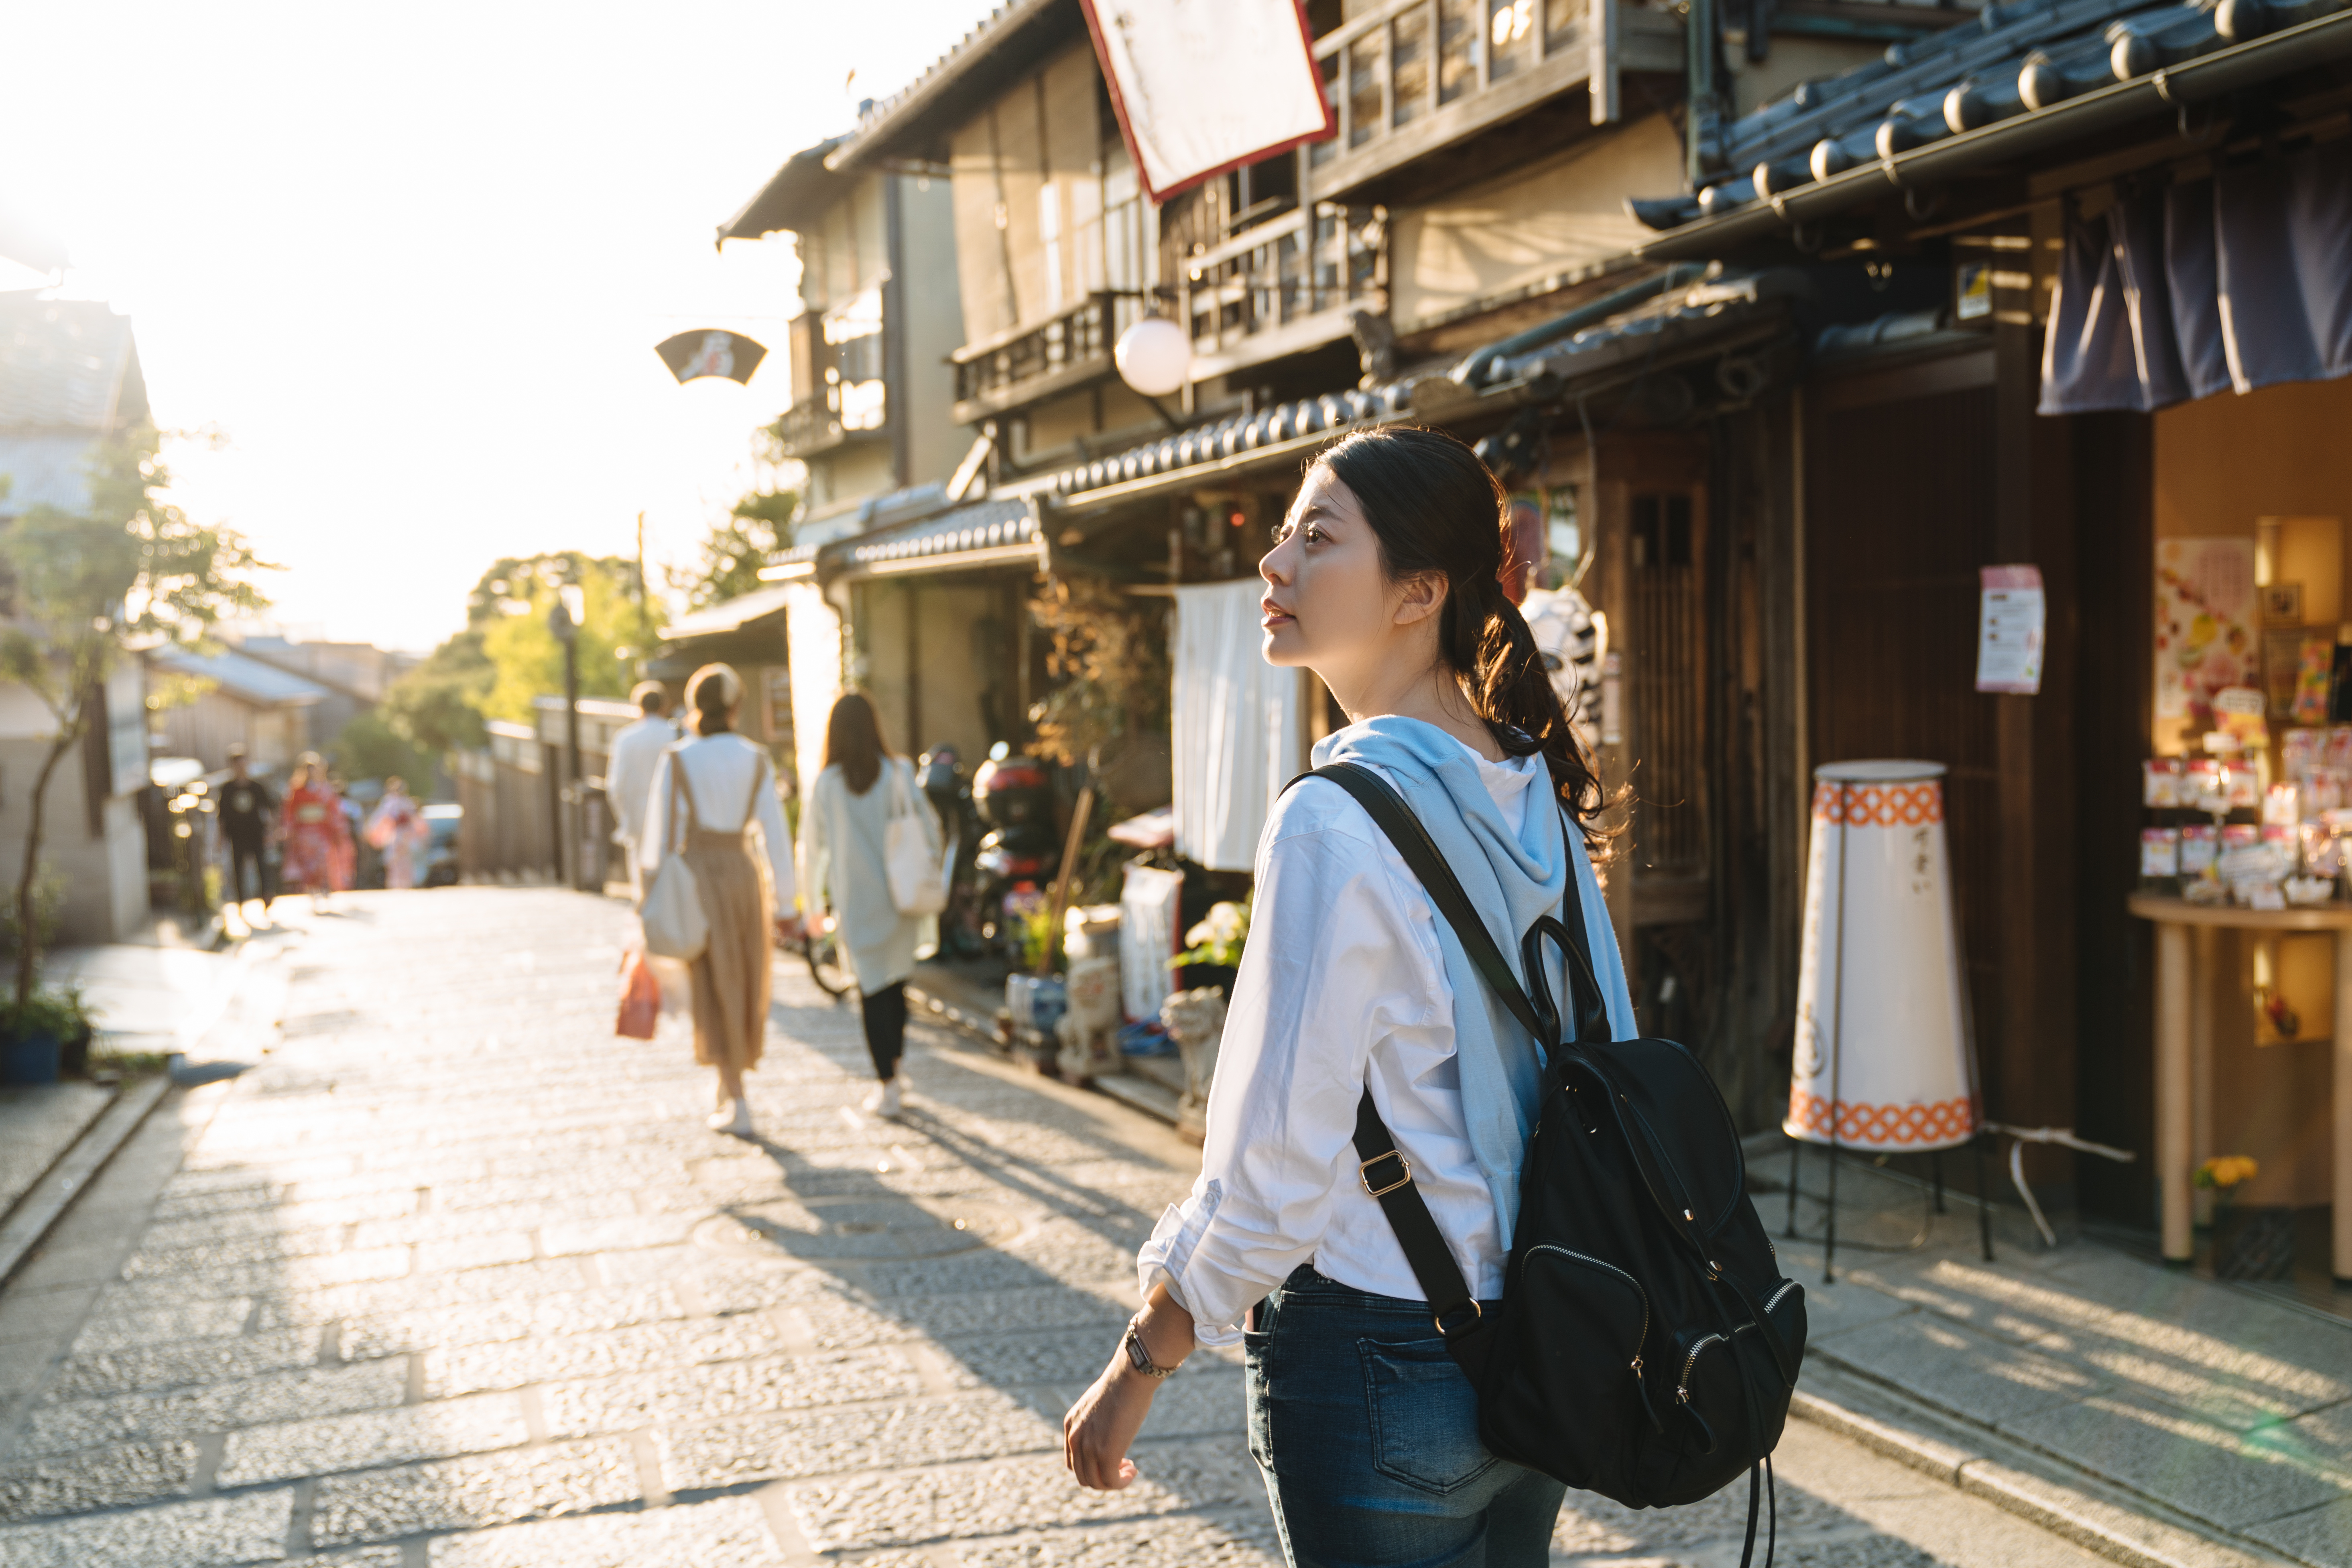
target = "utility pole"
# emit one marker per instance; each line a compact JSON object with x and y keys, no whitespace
{"x":563,"y":621}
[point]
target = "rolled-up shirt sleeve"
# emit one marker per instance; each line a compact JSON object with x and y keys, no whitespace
{"x":1320,"y":982}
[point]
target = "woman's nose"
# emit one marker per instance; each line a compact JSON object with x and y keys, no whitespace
{"x":1272,"y":566}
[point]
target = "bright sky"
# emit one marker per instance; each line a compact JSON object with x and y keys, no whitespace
{"x":410,"y":262}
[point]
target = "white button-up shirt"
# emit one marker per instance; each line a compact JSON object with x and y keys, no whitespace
{"x":629,"y":774}
{"x":1342,"y":987}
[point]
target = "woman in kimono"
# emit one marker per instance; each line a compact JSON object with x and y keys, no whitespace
{"x":318,"y":839}
{"x":396,"y":828}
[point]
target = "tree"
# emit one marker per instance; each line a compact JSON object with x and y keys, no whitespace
{"x":525,"y":656}
{"x":82,"y":588}
{"x":757,"y":528}
{"x":370,"y":747}
{"x":505,"y":655}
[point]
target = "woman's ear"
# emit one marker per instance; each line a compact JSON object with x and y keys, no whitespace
{"x":1422,"y":594}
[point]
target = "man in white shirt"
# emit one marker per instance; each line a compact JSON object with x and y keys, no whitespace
{"x":629,"y":776}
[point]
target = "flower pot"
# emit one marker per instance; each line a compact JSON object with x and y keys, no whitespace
{"x":2253,"y":1243}
{"x":28,"y":1059}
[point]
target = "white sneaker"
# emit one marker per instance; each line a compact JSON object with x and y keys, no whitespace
{"x":737,"y":1121}
{"x":884,"y":1100}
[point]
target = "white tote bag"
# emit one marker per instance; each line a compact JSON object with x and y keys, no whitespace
{"x":911,"y":852}
{"x":676,"y":925}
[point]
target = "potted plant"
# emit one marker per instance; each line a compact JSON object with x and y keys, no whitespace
{"x":33,"y":1034}
{"x":1213,"y":952}
{"x":2248,"y":1243}
{"x":73,"y":1050}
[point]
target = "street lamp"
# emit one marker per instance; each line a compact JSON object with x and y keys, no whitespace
{"x":564,"y":619}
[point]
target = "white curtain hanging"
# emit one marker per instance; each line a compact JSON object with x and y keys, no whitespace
{"x":1238,"y":723}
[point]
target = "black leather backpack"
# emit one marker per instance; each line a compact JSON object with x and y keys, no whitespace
{"x":1646,"y":1345}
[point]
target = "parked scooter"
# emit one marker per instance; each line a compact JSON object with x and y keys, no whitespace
{"x":940,"y":774}
{"x":1014,"y":796}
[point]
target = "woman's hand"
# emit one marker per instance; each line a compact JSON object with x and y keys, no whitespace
{"x":1101,"y":1426}
{"x":1097,"y":1432}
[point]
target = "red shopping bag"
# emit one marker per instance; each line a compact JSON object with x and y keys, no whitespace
{"x":640,"y":997}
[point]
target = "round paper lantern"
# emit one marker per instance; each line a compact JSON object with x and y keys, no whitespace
{"x":1153,"y":356}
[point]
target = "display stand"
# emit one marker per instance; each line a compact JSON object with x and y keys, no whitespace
{"x":2184,"y":1051}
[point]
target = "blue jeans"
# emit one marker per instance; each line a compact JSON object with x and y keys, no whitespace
{"x":1368,"y":1436}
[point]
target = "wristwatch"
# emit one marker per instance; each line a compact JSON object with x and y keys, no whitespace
{"x":1140,"y":1358}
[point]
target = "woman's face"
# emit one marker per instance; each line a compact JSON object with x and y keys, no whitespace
{"x":1328,"y":603}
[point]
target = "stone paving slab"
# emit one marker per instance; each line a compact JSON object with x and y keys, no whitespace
{"x":201,"y":1534}
{"x":475,"y":1492}
{"x":39,"y":1123}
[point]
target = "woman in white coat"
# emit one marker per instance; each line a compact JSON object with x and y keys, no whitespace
{"x":708,"y":793}
{"x":844,"y":828}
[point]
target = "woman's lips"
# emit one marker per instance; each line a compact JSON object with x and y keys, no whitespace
{"x":1275,"y":614}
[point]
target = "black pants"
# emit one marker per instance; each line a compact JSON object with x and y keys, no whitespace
{"x":244,"y":852}
{"x":886,"y":1027}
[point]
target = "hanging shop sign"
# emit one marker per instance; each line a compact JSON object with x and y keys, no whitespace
{"x":2009,"y":624}
{"x":1207,"y":86}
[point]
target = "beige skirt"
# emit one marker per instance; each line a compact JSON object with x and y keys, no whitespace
{"x":730,"y":978}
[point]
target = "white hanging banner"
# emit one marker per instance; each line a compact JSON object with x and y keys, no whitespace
{"x":1202,"y":87}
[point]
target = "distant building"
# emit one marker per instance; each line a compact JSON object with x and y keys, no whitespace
{"x":69,"y":379}
{"x":271,"y":712}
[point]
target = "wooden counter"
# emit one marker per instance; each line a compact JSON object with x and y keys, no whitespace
{"x":2184,"y":1048}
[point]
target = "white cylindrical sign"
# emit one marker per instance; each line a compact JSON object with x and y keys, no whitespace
{"x":1882,"y":1050}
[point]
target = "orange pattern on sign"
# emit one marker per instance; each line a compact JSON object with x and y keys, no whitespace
{"x":1880,"y":806}
{"x":1916,"y":1125}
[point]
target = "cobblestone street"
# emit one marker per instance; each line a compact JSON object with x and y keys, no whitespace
{"x":452,"y":1277}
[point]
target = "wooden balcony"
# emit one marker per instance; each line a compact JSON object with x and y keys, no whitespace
{"x":818,"y":423}
{"x":1275,"y":288}
{"x":1416,"y":75}
{"x":1017,"y":368}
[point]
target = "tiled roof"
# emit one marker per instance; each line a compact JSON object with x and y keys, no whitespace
{"x":264,"y":685}
{"x":888,"y":118}
{"x":2014,"y":62}
{"x":987,"y":525}
{"x":68,"y":362}
{"x":794,"y":195}
{"x":1236,"y":435}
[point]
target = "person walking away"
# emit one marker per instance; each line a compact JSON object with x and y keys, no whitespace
{"x":844,"y":828}
{"x":248,"y":816}
{"x":1385,"y":580}
{"x":629,"y":776}
{"x":396,"y":828}
{"x":318,"y":858}
{"x":707,"y":796}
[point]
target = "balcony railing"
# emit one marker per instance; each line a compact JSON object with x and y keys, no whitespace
{"x":838,"y":414}
{"x":1277,"y":288}
{"x":1019,"y":367}
{"x":1417,"y":75}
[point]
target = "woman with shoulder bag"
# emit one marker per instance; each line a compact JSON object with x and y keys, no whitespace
{"x":845,"y":837}
{"x":706,"y":794}
{"x":1385,"y":581}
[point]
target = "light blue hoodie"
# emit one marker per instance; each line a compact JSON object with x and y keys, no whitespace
{"x":1512,"y":881}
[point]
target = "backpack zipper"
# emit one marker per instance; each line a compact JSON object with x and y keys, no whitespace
{"x":1641,"y":1294}
{"x":1681,"y":1389}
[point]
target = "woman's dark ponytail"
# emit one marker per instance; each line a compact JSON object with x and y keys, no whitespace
{"x":1437,"y":508}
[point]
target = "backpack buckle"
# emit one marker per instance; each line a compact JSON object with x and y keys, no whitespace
{"x":1477,"y":1315}
{"x":1364,"y":1174}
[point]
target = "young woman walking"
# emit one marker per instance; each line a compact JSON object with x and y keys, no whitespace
{"x":705,"y":795}
{"x":1386,"y":582}
{"x":843,"y":830}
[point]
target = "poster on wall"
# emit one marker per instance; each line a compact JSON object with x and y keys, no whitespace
{"x":2205,"y":639}
{"x":2010,"y":625}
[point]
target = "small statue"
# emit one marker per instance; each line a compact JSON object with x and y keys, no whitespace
{"x":1197,"y":1021}
{"x":1088,"y":1030}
